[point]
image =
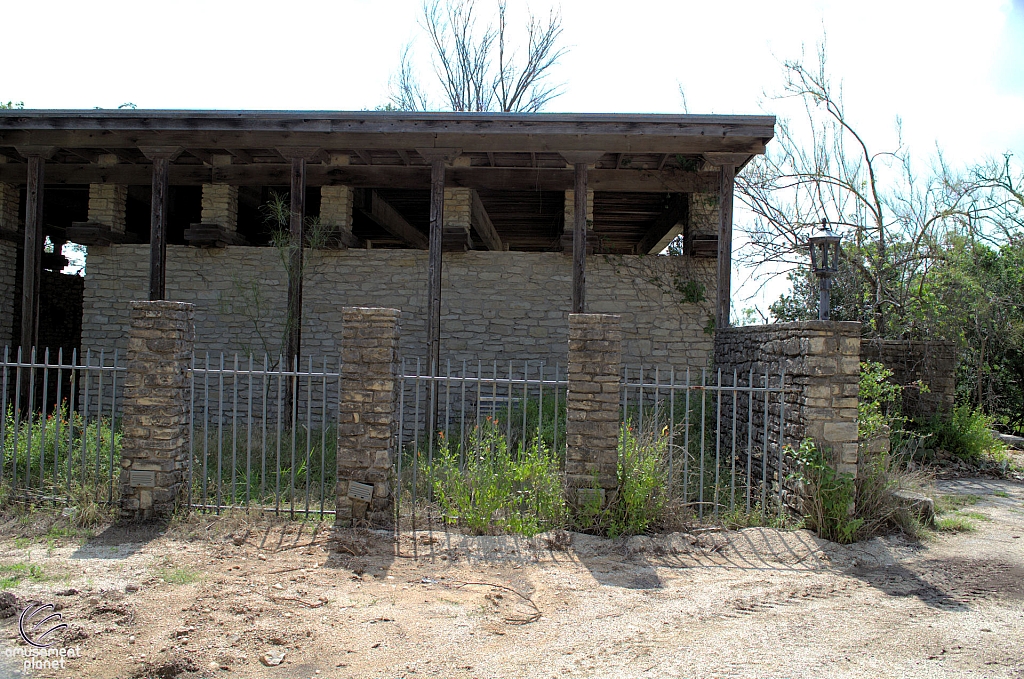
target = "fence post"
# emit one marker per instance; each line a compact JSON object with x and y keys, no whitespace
{"x":592,"y":429}
{"x":154,"y":448}
{"x":367,"y":411}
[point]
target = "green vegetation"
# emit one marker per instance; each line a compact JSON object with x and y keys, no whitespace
{"x":954,"y":524}
{"x":829,"y":495}
{"x":967,"y":434}
{"x":178,"y":576}
{"x":12,"y":574}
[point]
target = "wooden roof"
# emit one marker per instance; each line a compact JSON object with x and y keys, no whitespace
{"x":514,"y":161}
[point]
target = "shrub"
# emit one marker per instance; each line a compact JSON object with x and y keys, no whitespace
{"x":642,"y":482}
{"x":966,"y":434}
{"x":828,"y":495}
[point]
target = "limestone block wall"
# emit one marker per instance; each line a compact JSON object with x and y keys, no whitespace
{"x":8,"y":271}
{"x":495,"y":305}
{"x":821,"y":361}
{"x":930,"y":363}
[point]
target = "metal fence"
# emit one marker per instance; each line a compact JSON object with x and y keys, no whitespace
{"x":263,"y":434}
{"x":719,"y":436}
{"x":472,"y":419}
{"x":60,"y":424}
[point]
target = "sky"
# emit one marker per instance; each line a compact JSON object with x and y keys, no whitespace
{"x":952,"y":71}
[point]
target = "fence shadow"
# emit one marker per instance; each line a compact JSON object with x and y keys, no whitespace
{"x":120,"y":540}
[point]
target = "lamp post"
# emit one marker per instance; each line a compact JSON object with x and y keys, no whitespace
{"x":825,"y":263}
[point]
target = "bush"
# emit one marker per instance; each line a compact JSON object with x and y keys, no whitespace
{"x":967,"y":434}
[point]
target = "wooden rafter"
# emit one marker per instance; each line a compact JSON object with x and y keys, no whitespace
{"x":666,"y":226}
{"x":482,"y":223}
{"x":388,"y":218}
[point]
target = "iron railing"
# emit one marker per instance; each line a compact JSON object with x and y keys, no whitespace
{"x":263,"y":435}
{"x":60,"y":424}
{"x":720,"y":435}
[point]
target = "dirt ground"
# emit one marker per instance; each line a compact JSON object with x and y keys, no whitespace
{"x":220,"y":597}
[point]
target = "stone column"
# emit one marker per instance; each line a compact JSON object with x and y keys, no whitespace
{"x":220,"y":206}
{"x":154,"y":450}
{"x":107,"y":202}
{"x":368,"y":414}
{"x":592,"y":430}
{"x":570,"y":220}
{"x":336,"y":204}
{"x":455,"y":236}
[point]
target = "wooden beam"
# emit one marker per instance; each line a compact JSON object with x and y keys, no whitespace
{"x":437,"y":170}
{"x":158,"y":216}
{"x":404,"y":155}
{"x":364,"y":156}
{"x":675,"y":214}
{"x":482,"y":223}
{"x":579,"y":239}
{"x":388,"y":218}
{"x":725,"y":195}
{"x":379,"y":176}
{"x":32,"y":255}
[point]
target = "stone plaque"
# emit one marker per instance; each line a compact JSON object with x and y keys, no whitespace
{"x":360,"y":491}
{"x":139,"y":479}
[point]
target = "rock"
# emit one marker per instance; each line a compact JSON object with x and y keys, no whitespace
{"x":272,"y":658}
{"x":238,"y":540}
{"x":131,"y":587}
{"x":919,"y":505}
{"x":8,"y":605}
{"x":278,"y":585}
{"x":261,"y":557}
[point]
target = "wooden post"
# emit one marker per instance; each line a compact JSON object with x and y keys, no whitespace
{"x":579,"y":239}
{"x":32,"y":257}
{"x":297,"y":231}
{"x":158,"y":213}
{"x":159,"y":208}
{"x":727,"y":164}
{"x":434,"y":264}
{"x":727,"y":176}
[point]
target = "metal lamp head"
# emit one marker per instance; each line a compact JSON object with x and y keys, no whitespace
{"x":824,"y":251}
{"x":825,"y":264}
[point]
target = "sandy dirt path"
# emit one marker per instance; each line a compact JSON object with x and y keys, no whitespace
{"x":213,"y":596}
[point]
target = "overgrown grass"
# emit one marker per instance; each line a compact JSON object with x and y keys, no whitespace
{"x":239,"y":468}
{"x":951,"y":503}
{"x":39,"y":456}
{"x":491,"y":486}
{"x":178,"y":576}
{"x":954,"y":524}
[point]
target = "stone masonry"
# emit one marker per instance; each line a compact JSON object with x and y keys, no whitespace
{"x":107,"y":202}
{"x":368,"y":424}
{"x":336,"y":210}
{"x":932,"y":364}
{"x":494,"y":305}
{"x":220,"y":206}
{"x":457,"y":220}
{"x":154,"y":450}
{"x":821,"y":361}
{"x":592,"y":429}
{"x":570,"y":220}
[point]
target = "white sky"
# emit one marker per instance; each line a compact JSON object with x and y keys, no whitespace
{"x":954,"y":72}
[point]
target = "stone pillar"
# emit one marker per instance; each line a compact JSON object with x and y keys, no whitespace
{"x":570,"y":221}
{"x":592,"y":430}
{"x":107,"y":202}
{"x":455,"y":236}
{"x":830,"y":387}
{"x":336,"y":204}
{"x":220,"y":206}
{"x":154,"y":450}
{"x":368,"y":414}
{"x":8,"y":260}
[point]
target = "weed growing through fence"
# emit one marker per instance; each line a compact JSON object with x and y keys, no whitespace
{"x":492,"y":486}
{"x":643,"y":477}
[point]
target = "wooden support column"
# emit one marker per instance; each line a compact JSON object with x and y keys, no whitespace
{"x":434,"y":264}
{"x":297,"y":232}
{"x":158,"y":213}
{"x":727,"y":163}
{"x":437,"y":158}
{"x":32,"y":256}
{"x":297,"y":237}
{"x":579,"y":161}
{"x":579,"y":240}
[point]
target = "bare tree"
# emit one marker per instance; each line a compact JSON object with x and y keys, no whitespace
{"x":478,"y":69}
{"x":892,"y":218}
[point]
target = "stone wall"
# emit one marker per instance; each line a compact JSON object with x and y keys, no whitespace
{"x":495,"y":305}
{"x":912,"y":363}
{"x":821,"y":362}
